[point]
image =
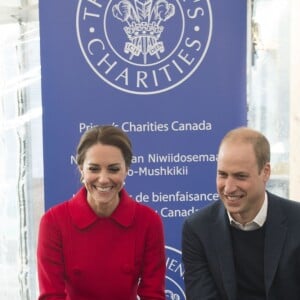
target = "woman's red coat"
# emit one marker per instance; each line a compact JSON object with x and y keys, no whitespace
{"x":85,"y":257}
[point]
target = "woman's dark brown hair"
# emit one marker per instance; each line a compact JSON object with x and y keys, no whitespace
{"x":105,"y":135}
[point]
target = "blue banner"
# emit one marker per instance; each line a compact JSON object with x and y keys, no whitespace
{"x":171,"y":74}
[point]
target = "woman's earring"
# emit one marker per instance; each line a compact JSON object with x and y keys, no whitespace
{"x":82,"y":177}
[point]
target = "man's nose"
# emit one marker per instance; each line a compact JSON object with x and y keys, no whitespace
{"x":230,"y":185}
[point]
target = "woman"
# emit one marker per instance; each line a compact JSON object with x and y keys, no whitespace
{"x":101,"y":244}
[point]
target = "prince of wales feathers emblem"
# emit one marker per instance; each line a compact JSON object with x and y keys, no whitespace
{"x":143,"y":30}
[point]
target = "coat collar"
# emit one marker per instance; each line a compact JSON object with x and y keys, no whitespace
{"x":224,"y":251}
{"x":83,"y":216}
{"x":276,"y":230}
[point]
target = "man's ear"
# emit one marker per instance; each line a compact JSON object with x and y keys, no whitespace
{"x":266,"y":171}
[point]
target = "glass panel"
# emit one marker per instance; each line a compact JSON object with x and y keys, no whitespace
{"x":21,"y":167}
{"x":10,"y":3}
{"x":269,"y":89}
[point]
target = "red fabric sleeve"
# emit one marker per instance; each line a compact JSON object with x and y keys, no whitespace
{"x":50,"y":261}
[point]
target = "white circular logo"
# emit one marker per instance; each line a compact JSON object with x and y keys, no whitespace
{"x":174,"y":276}
{"x":144,"y":46}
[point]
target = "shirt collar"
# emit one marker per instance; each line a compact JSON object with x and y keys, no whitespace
{"x":257,"y":222}
{"x":83,"y":216}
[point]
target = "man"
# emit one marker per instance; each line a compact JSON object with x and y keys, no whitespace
{"x":246,"y":245}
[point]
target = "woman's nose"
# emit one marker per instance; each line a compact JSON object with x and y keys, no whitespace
{"x":103,"y":177}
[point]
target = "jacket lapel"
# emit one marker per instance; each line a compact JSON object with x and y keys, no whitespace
{"x":274,"y":240}
{"x":223,"y":248}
